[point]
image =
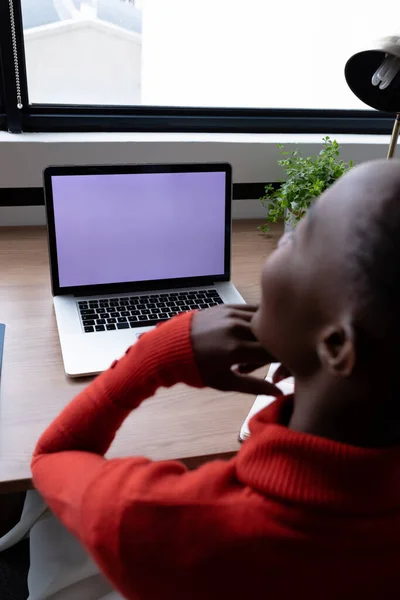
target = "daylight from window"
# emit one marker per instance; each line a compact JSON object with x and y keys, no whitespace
{"x":207,"y":53}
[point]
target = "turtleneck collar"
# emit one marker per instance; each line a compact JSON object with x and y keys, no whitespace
{"x":316,"y":472}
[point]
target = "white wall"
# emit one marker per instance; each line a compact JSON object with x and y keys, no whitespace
{"x":253,"y":157}
{"x":83,"y":62}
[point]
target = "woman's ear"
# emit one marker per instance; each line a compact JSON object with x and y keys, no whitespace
{"x":336,"y":349}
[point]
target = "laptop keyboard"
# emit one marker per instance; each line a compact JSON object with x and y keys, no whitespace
{"x":108,"y":314}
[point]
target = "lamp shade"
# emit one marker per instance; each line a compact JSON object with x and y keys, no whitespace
{"x":361,"y":67}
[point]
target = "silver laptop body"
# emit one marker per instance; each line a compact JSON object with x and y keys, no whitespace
{"x":131,"y":246}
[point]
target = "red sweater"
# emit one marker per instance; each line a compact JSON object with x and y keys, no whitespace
{"x":291,"y":516}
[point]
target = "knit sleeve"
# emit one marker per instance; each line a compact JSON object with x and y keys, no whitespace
{"x":137,"y":518}
{"x":89,"y":493}
{"x":69,"y":456}
{"x":161,"y":358}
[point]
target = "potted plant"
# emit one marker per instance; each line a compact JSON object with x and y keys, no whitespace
{"x":306,"y":178}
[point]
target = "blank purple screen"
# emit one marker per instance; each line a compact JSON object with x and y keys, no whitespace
{"x":138,"y":227}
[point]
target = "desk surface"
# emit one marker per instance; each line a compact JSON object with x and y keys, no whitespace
{"x":180,"y":423}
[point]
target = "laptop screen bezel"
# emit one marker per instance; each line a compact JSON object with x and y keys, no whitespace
{"x":134,"y":286}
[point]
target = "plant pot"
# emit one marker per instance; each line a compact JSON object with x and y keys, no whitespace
{"x":290,"y":222}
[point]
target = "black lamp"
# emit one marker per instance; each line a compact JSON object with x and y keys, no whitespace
{"x":373,"y":75}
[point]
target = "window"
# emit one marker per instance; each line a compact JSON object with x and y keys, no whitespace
{"x":83,"y":52}
{"x":228,"y":65}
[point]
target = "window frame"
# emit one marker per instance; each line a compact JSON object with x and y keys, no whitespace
{"x":77,"y":118}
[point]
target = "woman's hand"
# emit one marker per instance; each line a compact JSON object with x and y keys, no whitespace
{"x":226,"y":350}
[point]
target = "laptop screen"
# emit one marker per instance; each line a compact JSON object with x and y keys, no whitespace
{"x":118,"y":228}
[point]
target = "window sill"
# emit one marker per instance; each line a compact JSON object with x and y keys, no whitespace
{"x":253,"y":158}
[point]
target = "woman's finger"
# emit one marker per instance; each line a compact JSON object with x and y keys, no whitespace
{"x":251,"y":352}
{"x":243,"y":315}
{"x":248,"y":367}
{"x":244,"y":307}
{"x":281,"y":373}
{"x":252,"y":385}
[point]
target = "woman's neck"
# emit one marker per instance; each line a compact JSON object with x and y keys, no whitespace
{"x":345,"y":412}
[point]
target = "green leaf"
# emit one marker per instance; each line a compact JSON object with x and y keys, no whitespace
{"x":305,"y":179}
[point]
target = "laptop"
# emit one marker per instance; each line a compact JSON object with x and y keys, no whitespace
{"x":130,"y":247}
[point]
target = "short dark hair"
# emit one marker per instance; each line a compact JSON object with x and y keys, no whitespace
{"x":375,"y":271}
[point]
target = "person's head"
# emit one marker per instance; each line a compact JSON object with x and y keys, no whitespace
{"x":330,"y":307}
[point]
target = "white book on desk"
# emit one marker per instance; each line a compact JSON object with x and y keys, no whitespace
{"x":287,"y":387}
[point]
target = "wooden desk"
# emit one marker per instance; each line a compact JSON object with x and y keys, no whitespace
{"x":181,"y":423}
